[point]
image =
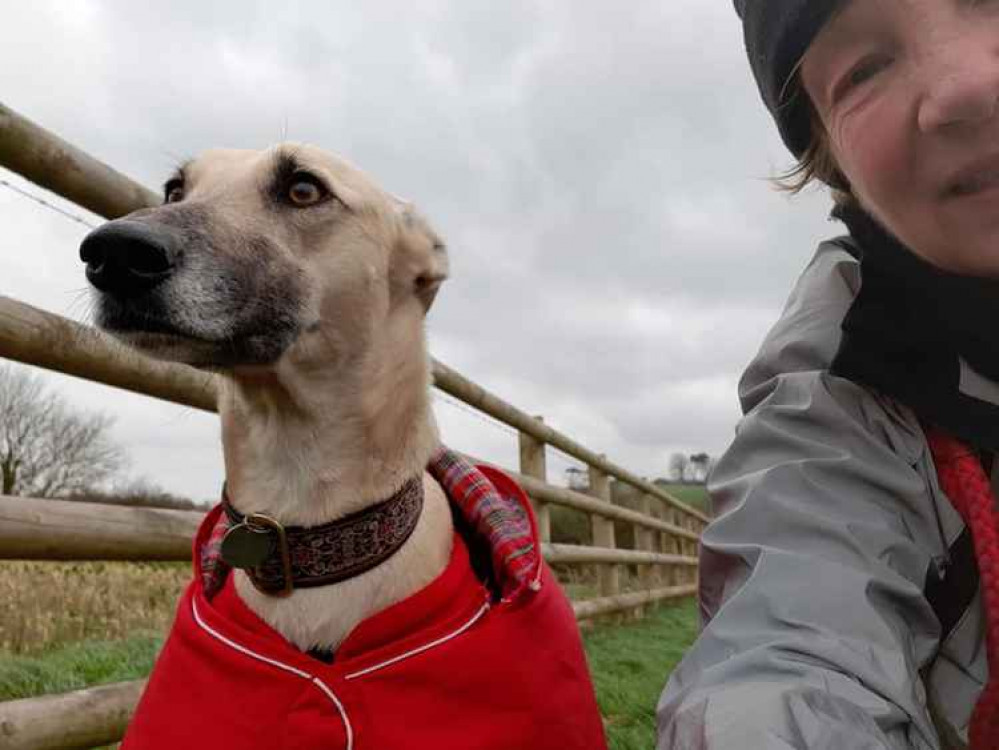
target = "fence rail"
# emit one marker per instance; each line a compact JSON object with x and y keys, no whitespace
{"x":40,"y":338}
{"x":80,"y":719}
{"x":69,"y":530}
{"x":38,"y":529}
{"x":666,"y":531}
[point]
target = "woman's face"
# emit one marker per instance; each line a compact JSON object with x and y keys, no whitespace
{"x":907,"y":91}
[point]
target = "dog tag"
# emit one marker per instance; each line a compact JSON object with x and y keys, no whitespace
{"x":245,"y":546}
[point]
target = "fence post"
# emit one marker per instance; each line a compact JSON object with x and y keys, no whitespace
{"x":677,"y":574}
{"x":691,"y":548}
{"x":609,"y":576}
{"x":659,"y":544}
{"x":644,"y":542}
{"x":532,"y":464}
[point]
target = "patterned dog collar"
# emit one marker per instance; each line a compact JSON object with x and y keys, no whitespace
{"x":280,"y":559}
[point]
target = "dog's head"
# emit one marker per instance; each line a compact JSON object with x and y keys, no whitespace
{"x":256,"y":256}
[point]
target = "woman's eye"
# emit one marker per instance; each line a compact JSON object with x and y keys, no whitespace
{"x":860,"y":74}
{"x":173,"y":192}
{"x":306,"y":190}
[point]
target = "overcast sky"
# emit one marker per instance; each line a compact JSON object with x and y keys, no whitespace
{"x":599,"y":171}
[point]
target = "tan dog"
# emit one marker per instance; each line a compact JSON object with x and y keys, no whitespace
{"x":305,"y":285}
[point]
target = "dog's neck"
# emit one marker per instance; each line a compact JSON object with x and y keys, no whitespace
{"x":310,"y":447}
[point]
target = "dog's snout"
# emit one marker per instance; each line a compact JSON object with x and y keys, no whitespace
{"x":126,"y":258}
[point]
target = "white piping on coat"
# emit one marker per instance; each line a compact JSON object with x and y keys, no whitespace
{"x":475,"y":618}
{"x":280,"y":665}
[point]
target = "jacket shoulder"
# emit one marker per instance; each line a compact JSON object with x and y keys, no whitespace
{"x":797,"y":408}
{"x":807,"y":334}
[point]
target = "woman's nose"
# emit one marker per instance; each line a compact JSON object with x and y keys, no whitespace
{"x":961,"y":83}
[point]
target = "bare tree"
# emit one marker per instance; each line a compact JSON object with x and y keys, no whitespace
{"x":578,"y":479}
{"x":700,"y":465}
{"x":678,"y":463}
{"x":48,"y":449}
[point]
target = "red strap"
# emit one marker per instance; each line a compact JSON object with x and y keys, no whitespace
{"x":964,"y":481}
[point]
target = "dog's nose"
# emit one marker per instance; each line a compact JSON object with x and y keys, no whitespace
{"x":127,"y":258}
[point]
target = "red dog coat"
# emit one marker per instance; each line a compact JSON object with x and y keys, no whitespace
{"x":459,"y":665}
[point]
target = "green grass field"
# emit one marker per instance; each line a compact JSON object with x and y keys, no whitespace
{"x":76,"y":665}
{"x":692,"y":494}
{"x":630,"y":664}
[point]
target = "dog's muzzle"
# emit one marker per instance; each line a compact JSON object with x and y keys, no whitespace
{"x":128,"y":258}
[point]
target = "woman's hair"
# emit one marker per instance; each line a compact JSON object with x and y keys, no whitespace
{"x":817,"y":163}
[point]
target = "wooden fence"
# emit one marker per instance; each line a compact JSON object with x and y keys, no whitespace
{"x":664,"y":556}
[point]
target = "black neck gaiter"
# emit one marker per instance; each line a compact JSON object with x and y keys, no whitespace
{"x":910,"y":327}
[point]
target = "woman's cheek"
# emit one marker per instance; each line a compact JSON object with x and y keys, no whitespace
{"x":872,"y":158}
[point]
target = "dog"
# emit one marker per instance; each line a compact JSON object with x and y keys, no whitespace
{"x":358,"y":586}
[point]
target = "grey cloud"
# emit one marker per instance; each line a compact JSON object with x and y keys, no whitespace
{"x":598,"y":170}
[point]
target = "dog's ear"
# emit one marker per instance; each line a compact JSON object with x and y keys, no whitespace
{"x":425,"y":252}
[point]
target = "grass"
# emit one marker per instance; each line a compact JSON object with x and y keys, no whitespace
{"x":66,"y":626}
{"x":692,"y":494}
{"x":52,"y":603}
{"x":630,"y":664}
{"x":77,"y":665}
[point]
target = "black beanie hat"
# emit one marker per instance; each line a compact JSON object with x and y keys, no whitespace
{"x":777,"y":34}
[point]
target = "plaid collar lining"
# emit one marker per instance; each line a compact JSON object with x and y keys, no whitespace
{"x":493,"y":507}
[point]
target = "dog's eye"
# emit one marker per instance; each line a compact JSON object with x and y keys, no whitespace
{"x":306,"y":190}
{"x":173,"y":191}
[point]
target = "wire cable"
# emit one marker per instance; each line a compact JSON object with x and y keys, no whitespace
{"x":44,"y":203}
{"x":477,"y":414}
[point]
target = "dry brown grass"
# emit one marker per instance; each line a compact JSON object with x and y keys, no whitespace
{"x":50,"y":603}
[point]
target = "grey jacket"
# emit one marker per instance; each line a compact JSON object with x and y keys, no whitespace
{"x":818,"y":632}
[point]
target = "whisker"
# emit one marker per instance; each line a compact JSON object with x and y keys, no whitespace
{"x":81,"y":298}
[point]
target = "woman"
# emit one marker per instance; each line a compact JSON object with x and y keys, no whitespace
{"x":850,"y":583}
